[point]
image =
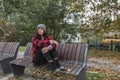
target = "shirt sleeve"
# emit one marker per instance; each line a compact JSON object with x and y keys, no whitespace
{"x":33,"y":47}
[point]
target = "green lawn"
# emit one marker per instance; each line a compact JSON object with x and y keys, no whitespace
{"x":101,"y":76}
{"x":22,"y":48}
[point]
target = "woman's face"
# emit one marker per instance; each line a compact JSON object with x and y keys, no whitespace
{"x":40,"y":31}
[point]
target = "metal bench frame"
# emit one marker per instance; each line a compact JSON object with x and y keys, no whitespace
{"x":8,"y":52}
{"x":72,"y":56}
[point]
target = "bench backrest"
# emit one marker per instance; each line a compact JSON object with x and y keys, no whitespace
{"x":11,"y":49}
{"x":2,"y":46}
{"x":28,"y":50}
{"x":72,"y":53}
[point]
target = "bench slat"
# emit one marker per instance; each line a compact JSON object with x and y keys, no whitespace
{"x":7,"y":49}
{"x":77,"y":56}
{"x":65,"y":54}
{"x":3,"y":57}
{"x":74,"y":71}
{"x":81,"y":54}
{"x":59,"y":48}
{"x":71,"y":56}
{"x":28,"y":51}
{"x":68,"y":53}
{"x":2,"y":46}
{"x":61,"y":53}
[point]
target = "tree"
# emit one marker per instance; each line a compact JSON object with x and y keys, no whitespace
{"x":62,"y":17}
{"x":100,"y":18}
{"x":25,"y":15}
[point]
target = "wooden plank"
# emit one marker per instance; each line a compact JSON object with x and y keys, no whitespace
{"x":2,"y":46}
{"x":78,"y":52}
{"x":61,"y":54}
{"x":44,"y":67}
{"x":3,"y":57}
{"x":69,"y":53}
{"x":6,"y":49}
{"x":81,"y":59}
{"x":58,"y":50}
{"x":28,"y":50}
{"x":73,"y":68}
{"x":70,"y":67}
{"x":73,"y":54}
{"x":76,"y":68}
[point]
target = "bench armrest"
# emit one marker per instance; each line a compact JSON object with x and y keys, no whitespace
{"x":84,"y":62}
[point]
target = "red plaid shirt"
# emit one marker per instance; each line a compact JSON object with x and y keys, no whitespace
{"x":41,"y":43}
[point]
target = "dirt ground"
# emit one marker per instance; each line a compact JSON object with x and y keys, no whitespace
{"x":103,"y":65}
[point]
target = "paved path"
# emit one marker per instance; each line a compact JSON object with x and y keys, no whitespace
{"x":104,"y":63}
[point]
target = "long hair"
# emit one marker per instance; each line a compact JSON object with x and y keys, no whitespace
{"x":37,"y":36}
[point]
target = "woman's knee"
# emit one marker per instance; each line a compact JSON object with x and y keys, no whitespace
{"x":55,"y":58}
{"x":50,"y":60}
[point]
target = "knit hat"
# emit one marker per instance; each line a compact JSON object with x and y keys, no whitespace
{"x":42,"y":26}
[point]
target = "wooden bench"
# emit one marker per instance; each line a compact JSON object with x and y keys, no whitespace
{"x":73,"y":56}
{"x":8,"y":52}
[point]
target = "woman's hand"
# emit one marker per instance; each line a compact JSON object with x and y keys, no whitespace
{"x":55,"y":42}
{"x":45,"y":50}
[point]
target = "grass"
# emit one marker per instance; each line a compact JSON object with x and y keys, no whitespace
{"x":22,"y":48}
{"x":101,"y":76}
{"x":94,"y":76}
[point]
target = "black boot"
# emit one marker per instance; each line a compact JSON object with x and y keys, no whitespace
{"x":59,"y":65}
{"x":53,"y":65}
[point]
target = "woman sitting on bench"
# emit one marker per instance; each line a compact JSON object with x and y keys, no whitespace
{"x":44,"y":49}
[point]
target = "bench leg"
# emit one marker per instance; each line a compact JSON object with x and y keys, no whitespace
{"x":17,"y":69}
{"x":5,"y":67}
{"x":82,"y":75}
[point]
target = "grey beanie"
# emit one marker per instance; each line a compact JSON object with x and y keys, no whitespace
{"x":42,"y":26}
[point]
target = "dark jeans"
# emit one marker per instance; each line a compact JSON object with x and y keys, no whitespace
{"x":40,"y":58}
